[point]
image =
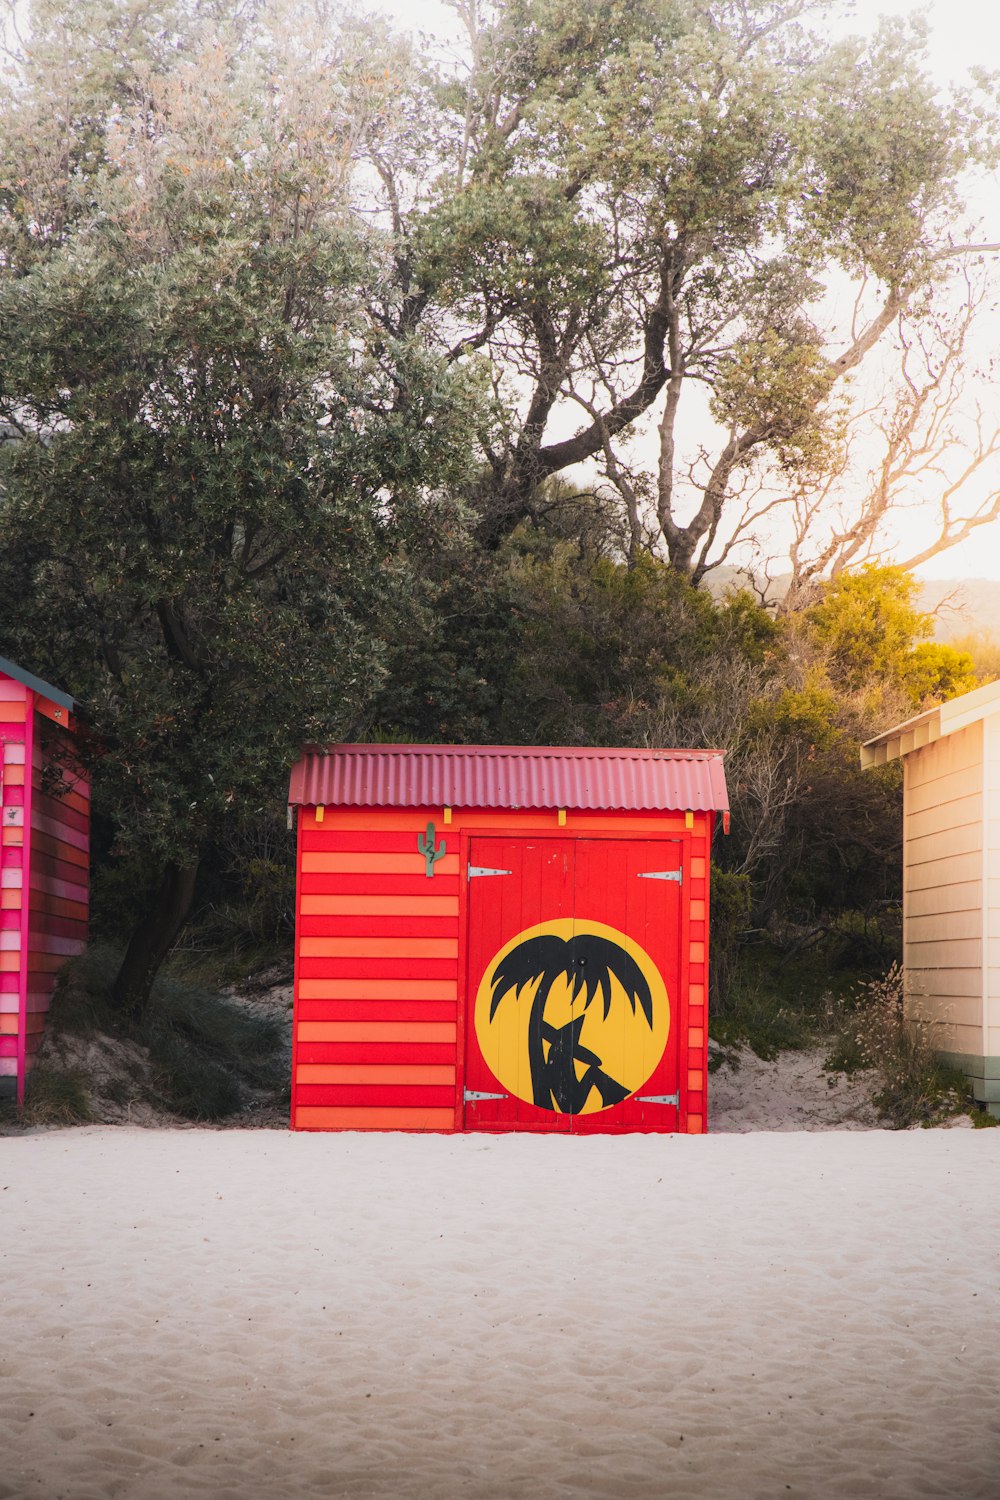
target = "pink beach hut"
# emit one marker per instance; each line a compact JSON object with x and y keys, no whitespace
{"x":44,"y":861}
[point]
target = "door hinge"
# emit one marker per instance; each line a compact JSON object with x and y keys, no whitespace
{"x":659,"y":1098}
{"x":471,"y":1095}
{"x":662,"y":875}
{"x":485,"y":870}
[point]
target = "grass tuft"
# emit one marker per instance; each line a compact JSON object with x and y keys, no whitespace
{"x":56,"y":1096}
{"x":208,"y":1056}
{"x":881,"y":1031}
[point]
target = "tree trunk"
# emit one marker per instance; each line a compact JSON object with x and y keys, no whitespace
{"x":153,"y":938}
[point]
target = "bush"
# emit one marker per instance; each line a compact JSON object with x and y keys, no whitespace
{"x":877,"y":1032}
{"x":763,"y":1020}
{"x":56,"y":1096}
{"x":730,"y":915}
{"x":204,"y":1056}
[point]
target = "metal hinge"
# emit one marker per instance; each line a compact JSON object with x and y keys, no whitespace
{"x":474,"y":1094}
{"x":662,"y":875}
{"x":485,"y":870}
{"x":659,"y":1098}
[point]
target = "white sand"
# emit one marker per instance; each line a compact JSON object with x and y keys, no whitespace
{"x":244,"y":1314}
{"x":792,"y":1091}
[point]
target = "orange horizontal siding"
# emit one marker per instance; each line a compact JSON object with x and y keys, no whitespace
{"x":377,"y":1031}
{"x":492,"y":820}
{"x":13,"y":775}
{"x":327,"y":1117}
{"x":375,"y":929}
{"x":10,"y":900}
{"x":377,"y":947}
{"x":407,"y":819}
{"x":325,"y":863}
{"x":401,"y":1073}
{"x":8,"y":1025}
{"x":376,"y":1010}
{"x":384,"y":906}
{"x":378,"y":989}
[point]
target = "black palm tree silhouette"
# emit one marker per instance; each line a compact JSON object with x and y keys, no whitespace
{"x":589,"y":963}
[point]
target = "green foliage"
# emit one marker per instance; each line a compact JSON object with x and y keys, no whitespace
{"x":604,"y":648}
{"x":56,"y":1096}
{"x":208,"y":1055}
{"x":585,"y":157}
{"x":731,"y":898}
{"x":758,"y":1019}
{"x":215,"y":459}
{"x":277,"y":467}
{"x":867,"y":624}
{"x":937,"y":672}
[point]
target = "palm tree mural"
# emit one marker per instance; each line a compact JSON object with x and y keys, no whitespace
{"x":588,"y":963}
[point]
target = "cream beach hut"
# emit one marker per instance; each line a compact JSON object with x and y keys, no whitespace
{"x":951,"y":876}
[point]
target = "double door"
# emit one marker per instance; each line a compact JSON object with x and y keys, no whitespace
{"x":573,"y":984}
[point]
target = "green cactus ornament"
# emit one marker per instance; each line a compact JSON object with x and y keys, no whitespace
{"x":431,"y":853}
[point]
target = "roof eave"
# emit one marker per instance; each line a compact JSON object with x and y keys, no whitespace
{"x":933,"y":724}
{"x":36,"y":684}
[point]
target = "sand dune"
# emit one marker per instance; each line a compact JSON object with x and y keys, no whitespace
{"x":245,"y":1314}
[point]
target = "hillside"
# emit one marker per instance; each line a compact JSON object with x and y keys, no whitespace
{"x":962,"y":606}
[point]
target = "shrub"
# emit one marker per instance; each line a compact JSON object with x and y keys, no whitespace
{"x":55,"y":1096}
{"x":879,"y":1031}
{"x":204,"y":1056}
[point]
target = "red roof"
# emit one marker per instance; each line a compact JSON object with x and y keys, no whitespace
{"x":542,"y":776}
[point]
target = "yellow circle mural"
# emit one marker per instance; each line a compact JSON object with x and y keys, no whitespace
{"x":572,"y":1016}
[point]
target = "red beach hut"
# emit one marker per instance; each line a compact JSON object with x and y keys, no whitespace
{"x":44,"y":861}
{"x":502,"y":938}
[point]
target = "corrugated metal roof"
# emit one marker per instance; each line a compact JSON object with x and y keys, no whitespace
{"x":543,"y":776}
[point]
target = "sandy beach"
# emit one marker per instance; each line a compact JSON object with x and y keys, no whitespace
{"x":252,"y":1313}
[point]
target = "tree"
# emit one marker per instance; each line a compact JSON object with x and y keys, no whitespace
{"x":636,"y":208}
{"x":872,"y":639}
{"x":927,"y":448}
{"x":210,"y":483}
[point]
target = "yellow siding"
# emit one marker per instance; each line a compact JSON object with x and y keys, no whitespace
{"x":963,"y":897}
{"x":938,"y":792}
{"x":932,"y":874}
{"x":943,"y":887}
{"x":962,"y":923}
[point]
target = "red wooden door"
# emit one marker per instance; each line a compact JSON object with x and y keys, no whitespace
{"x":515,"y":885}
{"x":574,"y":984}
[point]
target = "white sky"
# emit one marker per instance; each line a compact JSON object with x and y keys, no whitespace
{"x":964,"y":34}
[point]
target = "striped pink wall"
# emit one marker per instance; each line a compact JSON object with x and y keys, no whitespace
{"x":44,"y":870}
{"x":15,"y":701}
